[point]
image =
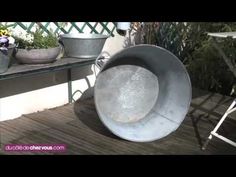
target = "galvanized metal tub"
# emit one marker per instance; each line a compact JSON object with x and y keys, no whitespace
{"x":37,"y":56}
{"x":83,"y":45}
{"x":142,"y":93}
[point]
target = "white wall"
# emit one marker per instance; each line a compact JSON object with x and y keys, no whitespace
{"x":31,"y":94}
{"x":114,"y":44}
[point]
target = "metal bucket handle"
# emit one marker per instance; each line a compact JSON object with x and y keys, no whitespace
{"x":100,"y":57}
{"x":63,"y":51}
{"x":15,"y":49}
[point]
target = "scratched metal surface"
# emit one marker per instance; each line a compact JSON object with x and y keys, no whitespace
{"x":128,"y":96}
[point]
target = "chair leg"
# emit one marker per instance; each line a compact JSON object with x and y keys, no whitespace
{"x":229,"y":110}
{"x":207,"y":142}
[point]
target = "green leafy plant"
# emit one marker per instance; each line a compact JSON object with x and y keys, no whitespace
{"x":191,"y":44}
{"x":3,"y":27}
{"x":37,"y":40}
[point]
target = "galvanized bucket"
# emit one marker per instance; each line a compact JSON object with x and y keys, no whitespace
{"x":142,"y":93}
{"x":5,"y":58}
{"x":83,"y":45}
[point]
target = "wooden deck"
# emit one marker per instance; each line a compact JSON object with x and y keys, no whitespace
{"x":78,"y":126}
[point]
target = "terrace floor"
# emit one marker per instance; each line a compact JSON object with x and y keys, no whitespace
{"x":78,"y":126}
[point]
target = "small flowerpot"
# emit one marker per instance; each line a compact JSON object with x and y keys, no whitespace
{"x":5,"y":58}
{"x":123,"y":26}
{"x":37,"y":56}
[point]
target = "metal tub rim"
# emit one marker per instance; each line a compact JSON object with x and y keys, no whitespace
{"x":84,"y":36}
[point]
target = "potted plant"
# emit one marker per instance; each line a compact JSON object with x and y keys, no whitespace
{"x":6,"y":48}
{"x":36,"y":48}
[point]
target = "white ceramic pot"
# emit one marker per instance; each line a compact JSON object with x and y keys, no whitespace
{"x":123,"y":25}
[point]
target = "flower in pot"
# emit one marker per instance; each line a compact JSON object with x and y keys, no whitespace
{"x":6,"y":48}
{"x":36,"y":48}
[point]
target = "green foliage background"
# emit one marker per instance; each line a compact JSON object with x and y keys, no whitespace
{"x":190,"y":43}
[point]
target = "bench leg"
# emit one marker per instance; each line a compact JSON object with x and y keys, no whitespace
{"x":69,"y":86}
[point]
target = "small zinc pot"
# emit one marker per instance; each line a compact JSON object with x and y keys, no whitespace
{"x":123,"y":26}
{"x":5,"y":58}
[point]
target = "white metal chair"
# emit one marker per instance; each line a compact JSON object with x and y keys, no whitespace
{"x":232,"y":107}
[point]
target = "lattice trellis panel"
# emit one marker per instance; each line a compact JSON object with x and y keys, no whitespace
{"x":107,"y":28}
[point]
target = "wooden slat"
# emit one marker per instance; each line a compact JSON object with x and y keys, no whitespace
{"x":78,"y":126}
{"x":86,"y":136}
{"x":210,"y":103}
